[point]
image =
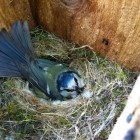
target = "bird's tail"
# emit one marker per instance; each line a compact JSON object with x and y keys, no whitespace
{"x":15,"y":48}
{"x":17,"y":56}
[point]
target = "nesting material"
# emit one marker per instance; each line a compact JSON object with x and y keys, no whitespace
{"x":89,"y":116}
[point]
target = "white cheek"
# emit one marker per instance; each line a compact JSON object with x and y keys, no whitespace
{"x":69,"y":94}
{"x":74,"y":95}
{"x":64,"y":93}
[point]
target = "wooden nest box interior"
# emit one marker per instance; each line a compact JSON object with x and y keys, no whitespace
{"x":111,"y":28}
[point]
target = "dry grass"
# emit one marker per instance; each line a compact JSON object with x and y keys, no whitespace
{"x":23,"y":116}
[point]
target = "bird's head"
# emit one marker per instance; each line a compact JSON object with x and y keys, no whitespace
{"x":70,"y":84}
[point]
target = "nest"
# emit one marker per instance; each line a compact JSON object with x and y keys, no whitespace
{"x":24,"y":116}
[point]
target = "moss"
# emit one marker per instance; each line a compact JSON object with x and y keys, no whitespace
{"x":26,"y":117}
{"x":9,"y":84}
{"x":12,"y":108}
{"x":103,"y":135}
{"x":63,"y":121}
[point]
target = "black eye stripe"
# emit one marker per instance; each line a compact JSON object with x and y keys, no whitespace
{"x":70,"y":90}
{"x":76,"y":82}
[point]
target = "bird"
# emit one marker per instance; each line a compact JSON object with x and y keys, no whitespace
{"x":48,"y":78}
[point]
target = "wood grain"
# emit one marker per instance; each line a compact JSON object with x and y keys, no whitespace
{"x":111,"y":27}
{"x":14,"y":10}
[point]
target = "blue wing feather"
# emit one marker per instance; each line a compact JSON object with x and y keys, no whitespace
{"x":17,"y":56}
{"x":45,"y":63}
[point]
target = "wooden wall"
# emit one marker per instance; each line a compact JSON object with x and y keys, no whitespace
{"x":110,"y":27}
{"x":13,"y":10}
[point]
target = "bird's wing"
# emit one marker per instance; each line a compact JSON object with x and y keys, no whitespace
{"x":43,"y":63}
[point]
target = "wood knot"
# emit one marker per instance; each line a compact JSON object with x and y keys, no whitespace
{"x":72,"y":4}
{"x":105,"y":41}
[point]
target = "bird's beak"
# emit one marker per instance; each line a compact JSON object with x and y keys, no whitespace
{"x":80,"y":90}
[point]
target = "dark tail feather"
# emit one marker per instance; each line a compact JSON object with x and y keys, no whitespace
{"x":17,"y":56}
{"x":22,"y":39}
{"x":14,"y":48}
{"x":15,"y":44}
{"x":7,"y":67}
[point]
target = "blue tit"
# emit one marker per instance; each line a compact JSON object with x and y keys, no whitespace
{"x":17,"y":59}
